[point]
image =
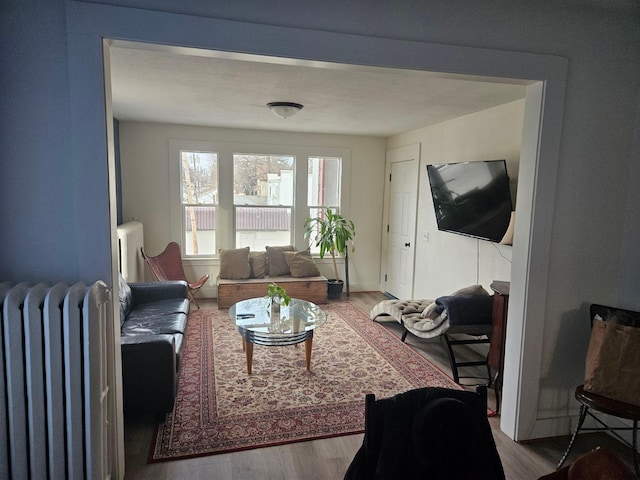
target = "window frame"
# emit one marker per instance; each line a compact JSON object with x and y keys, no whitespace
{"x":291,"y":207}
{"x":225,"y":213}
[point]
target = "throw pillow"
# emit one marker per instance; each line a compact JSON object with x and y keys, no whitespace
{"x":472,"y":290}
{"x":234,"y":264}
{"x":258,"y":264}
{"x":301,"y":264}
{"x":276,"y":263}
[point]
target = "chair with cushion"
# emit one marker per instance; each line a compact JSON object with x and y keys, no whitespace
{"x":461,"y":318}
{"x":168,"y":267}
{"x":600,"y":401}
{"x":427,"y":433}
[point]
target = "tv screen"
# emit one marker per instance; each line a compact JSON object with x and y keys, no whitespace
{"x":472,"y":198}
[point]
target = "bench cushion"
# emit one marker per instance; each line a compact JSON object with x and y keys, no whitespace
{"x":234,"y":263}
{"x":276,"y":263}
{"x":258,"y":264}
{"x":301,"y":264}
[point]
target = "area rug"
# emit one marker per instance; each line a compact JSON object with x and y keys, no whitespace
{"x":220,"y":408}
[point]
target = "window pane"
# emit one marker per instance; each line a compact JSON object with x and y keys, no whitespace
{"x":199,"y":177}
{"x":199,"y":230}
{"x":263,"y":180}
{"x":199,"y":186}
{"x":324,"y":181}
{"x":257,"y":227}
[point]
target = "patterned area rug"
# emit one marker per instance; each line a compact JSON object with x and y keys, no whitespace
{"x":220,"y":408}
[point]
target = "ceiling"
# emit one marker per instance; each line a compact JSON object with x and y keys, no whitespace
{"x":200,"y":87}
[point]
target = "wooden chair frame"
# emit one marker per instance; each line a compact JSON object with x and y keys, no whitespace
{"x":167,"y":266}
{"x":604,"y":404}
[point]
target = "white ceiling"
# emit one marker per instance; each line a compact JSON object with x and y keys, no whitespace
{"x":197,"y":87}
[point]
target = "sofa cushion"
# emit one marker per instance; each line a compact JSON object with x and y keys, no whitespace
{"x":257,"y":264}
{"x":167,"y":323}
{"x":234,"y":263}
{"x":168,"y":305}
{"x":276,"y":263}
{"x":126,"y":298}
{"x":150,"y":292}
{"x":301,"y":264}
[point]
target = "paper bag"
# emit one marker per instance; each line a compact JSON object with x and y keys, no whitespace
{"x":613,"y":362}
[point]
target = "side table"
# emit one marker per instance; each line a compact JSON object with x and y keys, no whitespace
{"x":498,"y":334}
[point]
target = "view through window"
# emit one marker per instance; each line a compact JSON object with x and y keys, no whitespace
{"x":263,"y":198}
{"x":324,"y":187}
{"x":260,"y":204}
{"x":199,"y":200}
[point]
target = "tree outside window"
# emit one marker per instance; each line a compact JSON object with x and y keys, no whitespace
{"x":199,"y":174}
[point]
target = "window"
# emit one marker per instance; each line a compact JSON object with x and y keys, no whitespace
{"x":324,"y":174}
{"x":233,"y":195}
{"x":263,"y":198}
{"x":199,"y":196}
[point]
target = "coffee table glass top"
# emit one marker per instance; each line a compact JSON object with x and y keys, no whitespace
{"x":253,"y":317}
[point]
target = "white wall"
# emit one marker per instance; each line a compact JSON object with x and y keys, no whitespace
{"x":147,"y":187}
{"x":446,"y":262}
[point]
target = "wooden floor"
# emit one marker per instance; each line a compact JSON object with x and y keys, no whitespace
{"x":328,"y":459}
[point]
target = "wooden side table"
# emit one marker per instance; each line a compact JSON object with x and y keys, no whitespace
{"x":498,"y":334}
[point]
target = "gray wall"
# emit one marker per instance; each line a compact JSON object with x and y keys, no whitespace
{"x":38,"y":236}
{"x":54,"y":198}
{"x":42,"y":232}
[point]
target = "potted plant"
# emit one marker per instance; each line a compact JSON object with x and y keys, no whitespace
{"x":278,"y":297}
{"x":331,"y":232}
{"x":278,"y":294}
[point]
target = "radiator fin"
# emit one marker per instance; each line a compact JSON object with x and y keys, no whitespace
{"x":55,"y":399}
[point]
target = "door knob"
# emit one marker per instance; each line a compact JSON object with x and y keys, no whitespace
{"x":408,"y":244}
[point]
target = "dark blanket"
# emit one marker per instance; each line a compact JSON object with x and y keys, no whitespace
{"x":428,"y":433}
{"x":467,"y":309}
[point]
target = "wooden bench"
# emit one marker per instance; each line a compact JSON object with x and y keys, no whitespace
{"x":312,"y":289}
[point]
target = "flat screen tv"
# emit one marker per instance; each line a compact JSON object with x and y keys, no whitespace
{"x":472,"y":198}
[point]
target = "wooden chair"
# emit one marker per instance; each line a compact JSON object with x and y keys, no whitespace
{"x":168,"y":266}
{"x":589,"y":400}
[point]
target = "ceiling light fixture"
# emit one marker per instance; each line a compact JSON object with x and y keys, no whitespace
{"x":284,"y":109}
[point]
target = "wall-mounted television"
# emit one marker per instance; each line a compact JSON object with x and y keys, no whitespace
{"x":472,"y":198}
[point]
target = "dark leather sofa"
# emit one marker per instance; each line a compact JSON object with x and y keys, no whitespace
{"x":153,"y":321}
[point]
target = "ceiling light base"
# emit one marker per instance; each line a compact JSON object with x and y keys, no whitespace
{"x":284,"y":109}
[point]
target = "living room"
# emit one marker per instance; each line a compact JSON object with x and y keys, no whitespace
{"x":148,"y":157}
{"x":573,"y":263}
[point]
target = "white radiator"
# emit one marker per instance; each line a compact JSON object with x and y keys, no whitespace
{"x":55,"y":399}
{"x":130,"y":261}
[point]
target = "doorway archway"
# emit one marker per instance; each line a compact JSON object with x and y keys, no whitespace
{"x":89,"y":24}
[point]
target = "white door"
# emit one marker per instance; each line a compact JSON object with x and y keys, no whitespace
{"x":401,"y":229}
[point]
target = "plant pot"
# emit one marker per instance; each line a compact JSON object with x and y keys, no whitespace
{"x":334,"y":289}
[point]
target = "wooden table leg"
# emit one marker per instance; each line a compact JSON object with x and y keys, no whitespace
{"x":249,"y":352}
{"x":308,"y":343}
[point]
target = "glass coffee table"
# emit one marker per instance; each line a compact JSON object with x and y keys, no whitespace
{"x":295,"y":324}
